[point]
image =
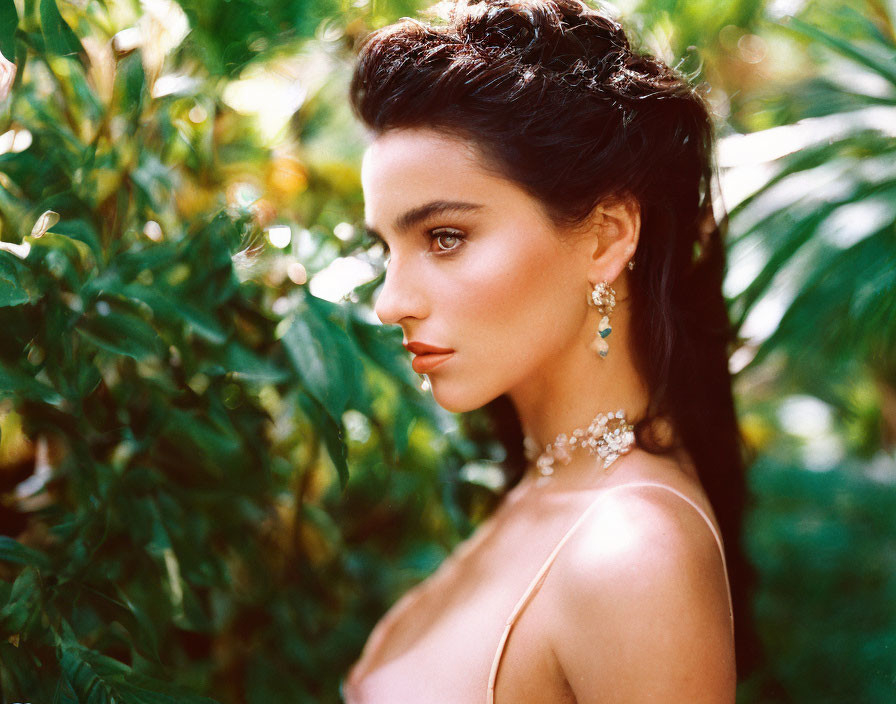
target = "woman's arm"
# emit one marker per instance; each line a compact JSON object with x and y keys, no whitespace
{"x":641,"y":606}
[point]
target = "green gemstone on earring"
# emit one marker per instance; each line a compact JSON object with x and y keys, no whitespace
{"x":605,"y":332}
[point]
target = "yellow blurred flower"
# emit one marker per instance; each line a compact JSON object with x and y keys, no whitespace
{"x":756,"y":431}
{"x":192,"y":199}
{"x":286,"y":177}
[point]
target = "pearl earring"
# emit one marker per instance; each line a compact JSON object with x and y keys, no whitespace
{"x":603,"y":297}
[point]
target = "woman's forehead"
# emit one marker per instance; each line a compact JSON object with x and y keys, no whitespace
{"x":405,"y":168}
{"x":421,"y":149}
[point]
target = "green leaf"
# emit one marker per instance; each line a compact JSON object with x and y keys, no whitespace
{"x":245,"y":364}
{"x":23,"y":602}
{"x":169,"y":308}
{"x":216,"y":444}
{"x":122,"y":334}
{"x":821,"y":321}
{"x":88,"y":379}
{"x":130,"y":84}
{"x":883,"y":69}
{"x":64,"y":693}
{"x":87,"y":684}
{"x":146,"y":690}
{"x":789,"y":242}
{"x":13,"y":551}
{"x":383,"y":346}
{"x":9,"y":21}
{"x":23,"y":670}
{"x":83,"y":231}
{"x":14,"y":274}
{"x":146,"y":631}
{"x":138,"y":695}
{"x":334,"y":438}
{"x":65,"y":258}
{"x":326,"y":359}
{"x":856,"y":139}
{"x":332,"y":432}
{"x":13,"y":382}
{"x":60,"y":38}
{"x":405,"y":419}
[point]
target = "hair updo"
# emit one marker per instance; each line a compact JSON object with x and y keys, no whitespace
{"x":556,"y":100}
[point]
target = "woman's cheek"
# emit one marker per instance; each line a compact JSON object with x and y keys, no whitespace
{"x":502,"y":292}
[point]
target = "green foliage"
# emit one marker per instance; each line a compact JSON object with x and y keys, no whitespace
{"x":58,"y":36}
{"x":821,"y":230}
{"x":230,"y":35}
{"x":824,"y":546}
{"x":9,"y":20}
{"x":825,"y":223}
{"x":203,"y":433}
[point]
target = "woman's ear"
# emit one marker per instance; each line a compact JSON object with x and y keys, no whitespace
{"x":614,"y":226}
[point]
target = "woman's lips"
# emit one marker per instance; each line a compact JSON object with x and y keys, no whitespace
{"x":427,"y":362}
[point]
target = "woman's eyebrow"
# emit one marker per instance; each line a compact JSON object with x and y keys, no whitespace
{"x":414,"y":216}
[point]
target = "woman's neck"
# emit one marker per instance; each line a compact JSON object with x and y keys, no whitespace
{"x":576,"y":385}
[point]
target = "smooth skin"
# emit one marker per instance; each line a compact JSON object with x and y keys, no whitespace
{"x":635,"y":609}
{"x":640,"y":605}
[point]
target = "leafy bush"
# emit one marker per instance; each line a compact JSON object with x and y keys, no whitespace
{"x":180,"y":413}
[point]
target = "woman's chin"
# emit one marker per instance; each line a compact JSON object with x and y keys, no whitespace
{"x":452,"y":404}
{"x":456,"y":401}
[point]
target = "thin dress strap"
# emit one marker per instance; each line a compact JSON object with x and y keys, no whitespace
{"x":536,"y":583}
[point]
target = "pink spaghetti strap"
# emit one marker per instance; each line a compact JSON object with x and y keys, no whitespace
{"x":536,"y":583}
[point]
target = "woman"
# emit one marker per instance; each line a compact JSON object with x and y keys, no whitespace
{"x":544,"y":194}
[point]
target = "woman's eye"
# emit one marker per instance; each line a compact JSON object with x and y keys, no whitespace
{"x":446,"y":240}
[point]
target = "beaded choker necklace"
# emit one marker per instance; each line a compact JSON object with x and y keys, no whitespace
{"x":609,"y":435}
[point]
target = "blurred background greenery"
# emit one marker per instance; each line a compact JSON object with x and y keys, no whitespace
{"x":217,"y":470}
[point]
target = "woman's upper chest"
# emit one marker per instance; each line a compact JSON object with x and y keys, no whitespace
{"x":439,"y":642}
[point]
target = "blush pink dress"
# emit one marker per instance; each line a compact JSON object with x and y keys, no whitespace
{"x":354,"y":690}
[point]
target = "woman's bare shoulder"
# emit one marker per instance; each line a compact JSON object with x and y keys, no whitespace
{"x":636,"y":527}
{"x":639,"y":595}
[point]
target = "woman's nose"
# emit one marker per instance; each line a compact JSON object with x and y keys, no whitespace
{"x":400,"y":296}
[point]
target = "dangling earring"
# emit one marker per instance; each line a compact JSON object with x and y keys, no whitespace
{"x":603,"y":297}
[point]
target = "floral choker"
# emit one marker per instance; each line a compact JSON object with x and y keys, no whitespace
{"x":609,"y":435}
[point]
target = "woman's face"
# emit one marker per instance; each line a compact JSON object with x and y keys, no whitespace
{"x":475,"y":266}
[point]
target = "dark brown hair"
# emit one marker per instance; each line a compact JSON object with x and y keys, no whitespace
{"x":557,"y":101}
